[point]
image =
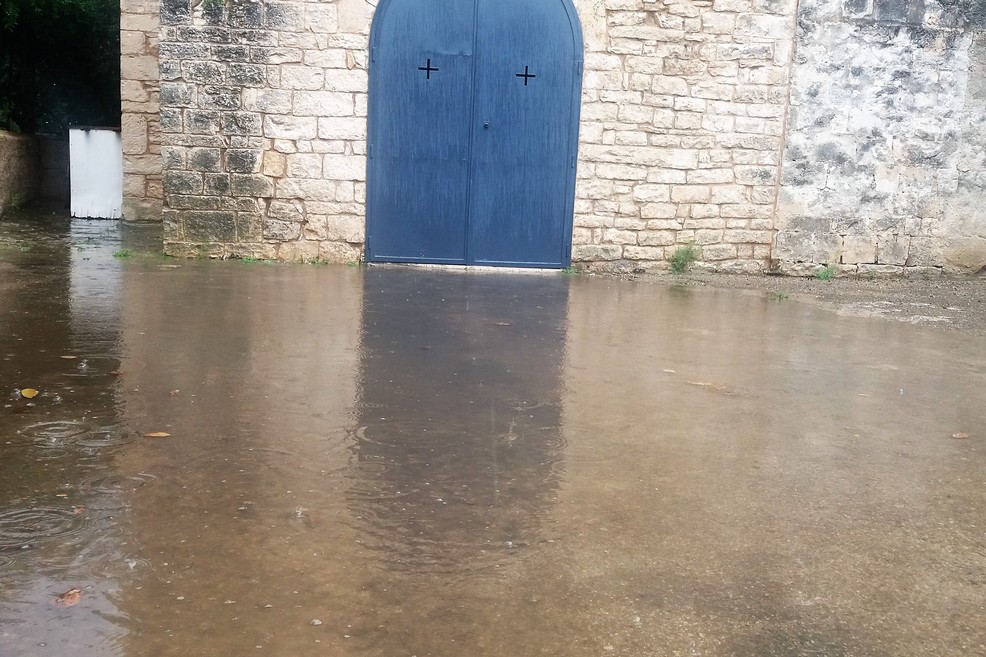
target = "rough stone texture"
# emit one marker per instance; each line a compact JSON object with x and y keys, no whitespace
{"x":264,"y":115}
{"x":140,"y":110}
{"x":19,"y":170}
{"x":851,"y":134}
{"x":884,"y":165}
{"x":680,"y":143}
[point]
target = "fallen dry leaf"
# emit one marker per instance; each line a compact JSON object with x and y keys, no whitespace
{"x":116,"y":372}
{"x":68,"y":357}
{"x":960,"y":435}
{"x":174,"y":392}
{"x":70,"y":598}
{"x":157,"y":434}
{"x":29,"y":393}
{"x":77,"y":510}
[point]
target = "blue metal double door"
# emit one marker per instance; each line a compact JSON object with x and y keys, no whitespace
{"x":473,"y":131}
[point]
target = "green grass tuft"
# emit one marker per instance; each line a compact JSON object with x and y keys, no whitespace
{"x":682,"y":259}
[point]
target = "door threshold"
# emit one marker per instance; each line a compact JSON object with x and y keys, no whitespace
{"x":470,"y":269}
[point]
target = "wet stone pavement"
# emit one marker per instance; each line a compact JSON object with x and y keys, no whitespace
{"x":394,"y":462}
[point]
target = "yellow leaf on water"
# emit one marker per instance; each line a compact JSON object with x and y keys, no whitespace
{"x":157,"y":434}
{"x":68,"y":357}
{"x":960,"y":435}
{"x":29,"y":393}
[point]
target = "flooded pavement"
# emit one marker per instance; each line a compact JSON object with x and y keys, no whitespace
{"x":395,"y":461}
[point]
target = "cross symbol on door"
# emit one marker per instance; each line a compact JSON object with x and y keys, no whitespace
{"x":526,"y":75}
{"x":427,"y":68}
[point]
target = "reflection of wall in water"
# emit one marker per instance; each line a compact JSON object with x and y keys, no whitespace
{"x":458,"y":447}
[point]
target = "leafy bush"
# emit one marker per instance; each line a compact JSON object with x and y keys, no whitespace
{"x":59,"y":64}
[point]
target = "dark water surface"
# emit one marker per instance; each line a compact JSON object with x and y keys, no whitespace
{"x":396,"y":462}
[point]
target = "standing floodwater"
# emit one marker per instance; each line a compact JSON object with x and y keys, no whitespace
{"x":229,"y":458}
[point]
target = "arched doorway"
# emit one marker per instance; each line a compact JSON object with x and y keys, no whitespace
{"x":473,"y":131}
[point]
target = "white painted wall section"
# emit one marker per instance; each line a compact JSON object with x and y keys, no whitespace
{"x":96,"y":165}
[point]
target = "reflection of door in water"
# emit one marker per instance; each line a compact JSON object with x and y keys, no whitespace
{"x":458,"y":449}
{"x":473,"y":131}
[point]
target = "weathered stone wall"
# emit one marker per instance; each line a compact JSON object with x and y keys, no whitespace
{"x":884,"y":167}
{"x":683,"y":113}
{"x":140,"y":123}
{"x":19,"y":170}
{"x":873,"y":110}
{"x":264,"y":115}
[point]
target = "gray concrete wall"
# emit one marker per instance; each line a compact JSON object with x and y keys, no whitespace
{"x":19,"y":170}
{"x":884,"y":170}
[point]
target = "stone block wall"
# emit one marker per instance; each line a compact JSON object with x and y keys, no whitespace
{"x":19,"y":170}
{"x":140,"y":123}
{"x":770,"y":135}
{"x":683,"y":114}
{"x":884,"y":170}
{"x":263,"y":110}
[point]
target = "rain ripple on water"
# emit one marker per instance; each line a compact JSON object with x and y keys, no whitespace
{"x":21,"y":528}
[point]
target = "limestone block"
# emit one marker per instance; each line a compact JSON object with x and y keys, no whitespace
{"x":311,"y":190}
{"x":710,"y":176}
{"x":217,"y":184}
{"x":284,"y":16}
{"x":231,"y":53}
{"x":201,"y":122}
{"x":796,"y":246}
{"x":203,"y":159}
{"x":594,"y":253}
{"x":858,"y":249}
{"x":138,"y":67}
{"x":177,"y":94}
{"x":346,"y":228}
{"x":346,"y":80}
{"x":658,"y":211}
{"x":290,"y":127}
{"x":286,"y":211}
{"x":321,"y":18}
{"x":304,"y":165}
{"x":209,"y":226}
{"x":342,"y":128}
{"x":690,"y":193}
{"x":275,"y":56}
{"x":134,"y":134}
{"x":242,"y":160}
{"x":354,"y":16}
{"x":332,"y":58}
{"x":966,"y":255}
{"x":247,"y":75}
{"x":274,"y":164}
{"x":251,"y":185}
{"x":718,"y":252}
{"x":282,"y":231}
{"x":301,"y":77}
{"x":879,"y":271}
{"x":705,"y":210}
{"x":892,"y":249}
{"x":651,"y":193}
{"x":323,"y":103}
{"x":339,"y":252}
{"x":656,"y":238}
{"x":344,"y":167}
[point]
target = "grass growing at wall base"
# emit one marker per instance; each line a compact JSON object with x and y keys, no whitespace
{"x":682,"y":259}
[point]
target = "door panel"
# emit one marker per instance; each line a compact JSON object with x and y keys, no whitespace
{"x":521,"y":160}
{"x":473,"y":130}
{"x":419,"y":135}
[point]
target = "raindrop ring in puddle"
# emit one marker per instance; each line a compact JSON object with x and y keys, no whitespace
{"x":20,"y":528}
